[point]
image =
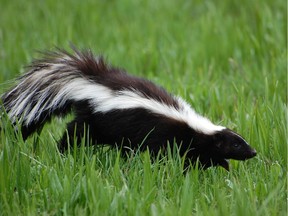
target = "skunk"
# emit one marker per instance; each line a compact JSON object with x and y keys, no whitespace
{"x":117,"y":109}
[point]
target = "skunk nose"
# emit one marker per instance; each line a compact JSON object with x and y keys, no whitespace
{"x":253,"y":153}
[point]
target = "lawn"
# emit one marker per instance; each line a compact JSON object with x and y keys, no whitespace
{"x":227,"y":58}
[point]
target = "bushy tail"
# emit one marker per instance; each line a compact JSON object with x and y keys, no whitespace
{"x":51,"y":87}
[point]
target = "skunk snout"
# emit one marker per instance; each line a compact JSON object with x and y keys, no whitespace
{"x":252,"y":154}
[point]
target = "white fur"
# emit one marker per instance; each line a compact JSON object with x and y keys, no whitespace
{"x":101,"y":98}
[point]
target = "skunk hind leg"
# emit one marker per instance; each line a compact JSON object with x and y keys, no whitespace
{"x":26,"y":131}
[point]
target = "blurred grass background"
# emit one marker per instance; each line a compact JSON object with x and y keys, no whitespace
{"x":227,"y":58}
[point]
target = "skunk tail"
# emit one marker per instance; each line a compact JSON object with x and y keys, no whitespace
{"x":52,"y":86}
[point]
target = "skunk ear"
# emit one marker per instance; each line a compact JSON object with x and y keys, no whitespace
{"x":218,"y":143}
{"x":218,"y":140}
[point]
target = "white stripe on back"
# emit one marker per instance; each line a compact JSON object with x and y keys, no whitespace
{"x":101,"y":98}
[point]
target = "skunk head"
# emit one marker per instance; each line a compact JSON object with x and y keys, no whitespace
{"x":223,"y":145}
{"x":230,"y":145}
{"x":213,"y":148}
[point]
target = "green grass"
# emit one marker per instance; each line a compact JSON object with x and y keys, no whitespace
{"x":228,"y":59}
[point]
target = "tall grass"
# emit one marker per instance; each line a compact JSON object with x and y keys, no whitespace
{"x":227,"y":58}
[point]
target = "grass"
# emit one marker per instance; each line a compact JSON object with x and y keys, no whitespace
{"x":228,"y":59}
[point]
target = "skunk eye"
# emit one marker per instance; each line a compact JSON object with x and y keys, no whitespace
{"x":236,"y":145}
